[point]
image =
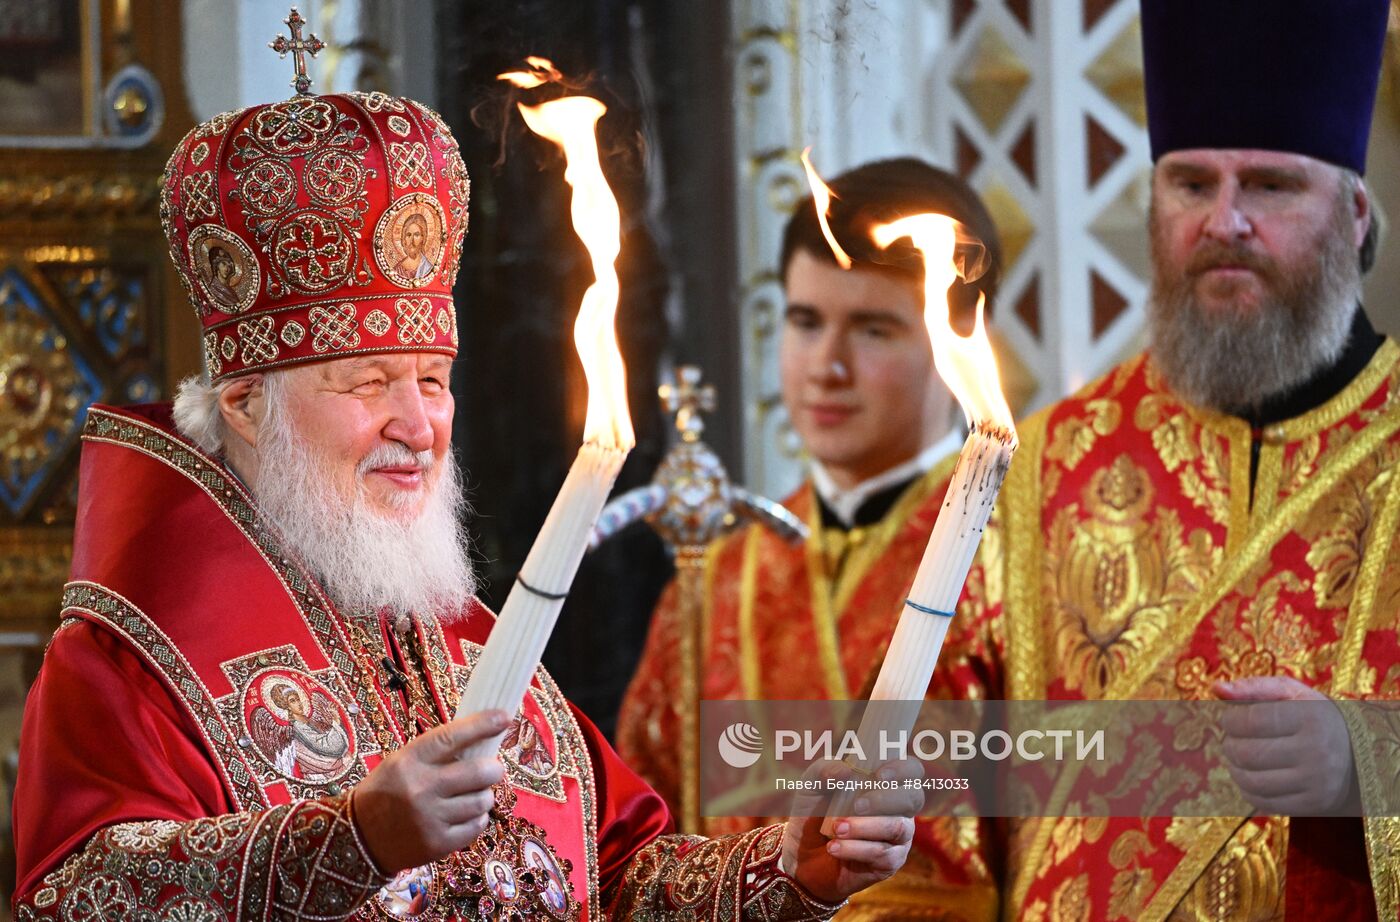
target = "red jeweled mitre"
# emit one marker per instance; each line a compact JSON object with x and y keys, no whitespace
{"x":316,"y":228}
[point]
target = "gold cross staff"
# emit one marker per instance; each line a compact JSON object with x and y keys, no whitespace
{"x":691,"y":503}
{"x":687,"y":398}
{"x":299,"y":47}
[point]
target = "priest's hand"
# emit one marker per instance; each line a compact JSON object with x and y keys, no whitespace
{"x":425,"y":801}
{"x":867,"y":848}
{"x":1288,"y":759}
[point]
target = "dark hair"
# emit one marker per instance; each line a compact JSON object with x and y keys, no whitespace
{"x":883,"y":191}
{"x":219,"y":254}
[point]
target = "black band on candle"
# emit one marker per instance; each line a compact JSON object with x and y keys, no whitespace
{"x":926,"y":610}
{"x":553,"y":597}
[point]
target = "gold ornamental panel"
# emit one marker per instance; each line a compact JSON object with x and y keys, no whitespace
{"x":89,"y":308}
{"x":1117,"y":73}
{"x":1012,"y":221}
{"x":992,"y":79}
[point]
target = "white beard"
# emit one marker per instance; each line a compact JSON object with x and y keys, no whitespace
{"x":366,"y":561}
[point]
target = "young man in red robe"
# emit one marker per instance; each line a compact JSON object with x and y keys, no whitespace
{"x":1216,"y":518}
{"x":245,"y":711}
{"x":810,"y":621}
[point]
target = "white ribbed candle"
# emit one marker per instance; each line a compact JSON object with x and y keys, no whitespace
{"x":918,"y":638}
{"x":913,"y":651}
{"x":522,"y":629}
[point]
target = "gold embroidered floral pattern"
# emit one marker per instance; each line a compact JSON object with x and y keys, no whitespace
{"x":293,"y":333}
{"x":1071,"y":900}
{"x":1243,"y":881}
{"x":1132,"y":883}
{"x":1118,"y":571}
{"x":217,"y":125}
{"x":1300,"y":464}
{"x":313,"y":251}
{"x":734,"y":877}
{"x":295,"y":126}
{"x":1207,"y":485}
{"x":145,"y":836}
{"x":1260,"y":635}
{"x":1173,"y":442}
{"x":334,"y":177}
{"x":268,"y":187}
{"x":1074,"y":436}
{"x":195,"y":870}
{"x":1180,"y":439}
{"x":1339,"y":527}
{"x":378,"y":322}
{"x":1298,"y":594}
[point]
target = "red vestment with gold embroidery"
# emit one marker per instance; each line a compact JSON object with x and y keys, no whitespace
{"x":203,"y":712}
{"x":791,"y":622}
{"x":1134,"y":556}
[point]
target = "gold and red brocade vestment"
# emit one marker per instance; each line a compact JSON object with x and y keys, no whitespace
{"x":203,"y":713}
{"x":1135,"y":561}
{"x":809,"y":622}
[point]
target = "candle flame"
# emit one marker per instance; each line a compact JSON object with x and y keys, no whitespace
{"x":542,"y":71}
{"x":966,"y":363}
{"x":821,"y":197}
{"x":571,"y":123}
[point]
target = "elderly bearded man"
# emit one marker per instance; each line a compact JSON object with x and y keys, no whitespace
{"x":1217,"y":517}
{"x":244,"y":711}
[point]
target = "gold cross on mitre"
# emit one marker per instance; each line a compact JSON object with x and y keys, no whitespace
{"x":299,"y":47}
{"x":687,"y":399}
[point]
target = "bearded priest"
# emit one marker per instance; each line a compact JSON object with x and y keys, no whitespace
{"x":1216,"y":518}
{"x":245,"y":710}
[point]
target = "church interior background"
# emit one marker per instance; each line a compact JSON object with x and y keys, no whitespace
{"x":1038,"y":102}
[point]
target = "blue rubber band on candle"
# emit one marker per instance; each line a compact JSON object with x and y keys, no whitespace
{"x":926,"y":610}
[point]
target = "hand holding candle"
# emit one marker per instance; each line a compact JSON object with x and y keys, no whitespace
{"x":522,"y":630}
